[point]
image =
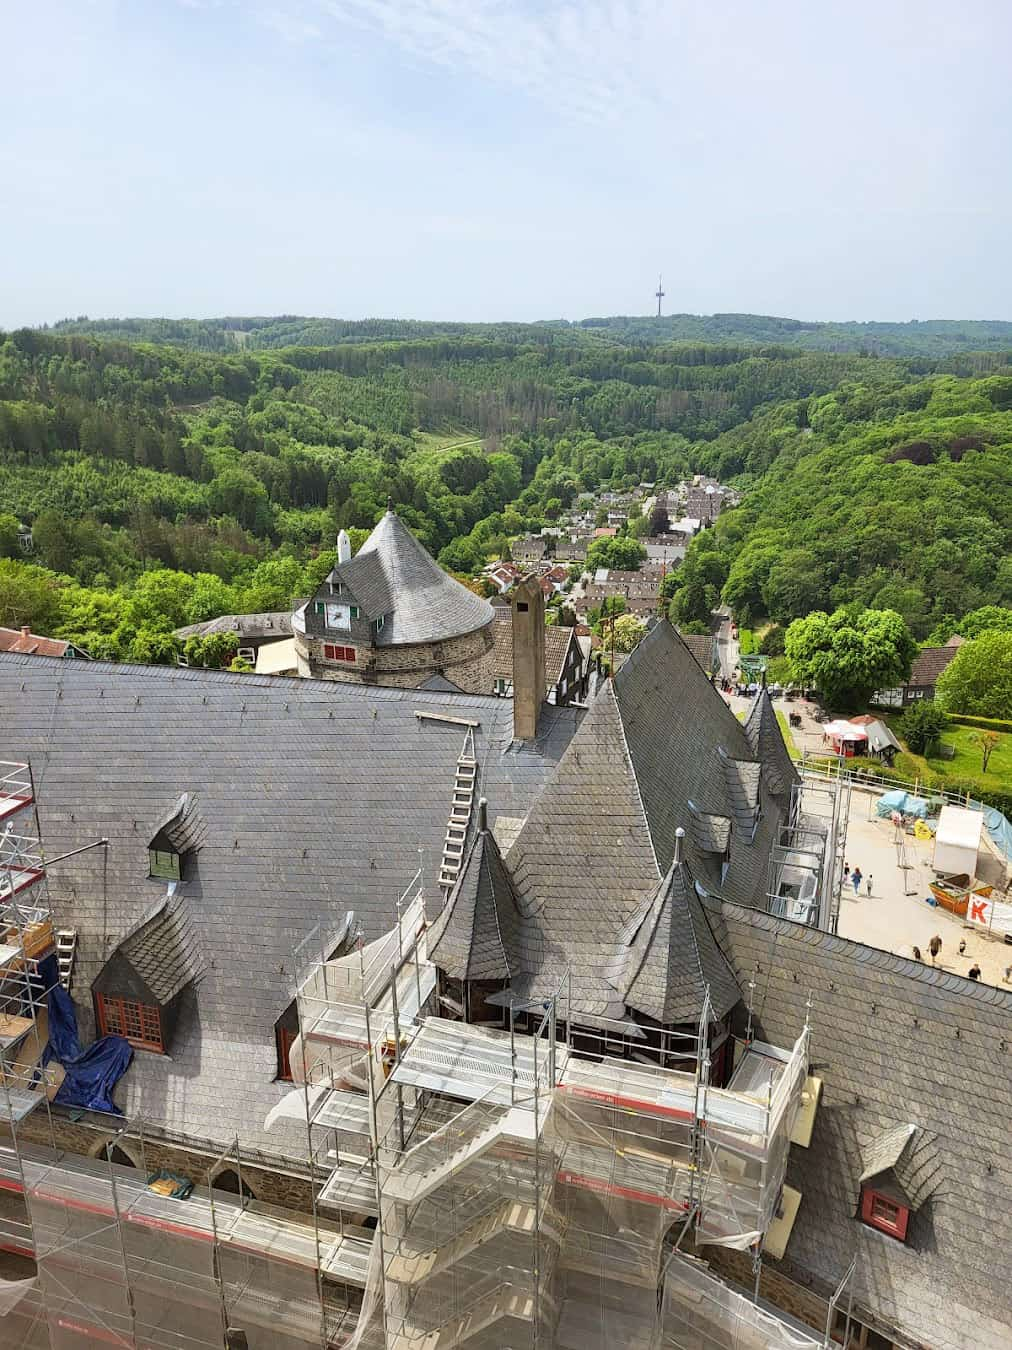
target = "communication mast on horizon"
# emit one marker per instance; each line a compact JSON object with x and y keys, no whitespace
{"x":660,"y":295}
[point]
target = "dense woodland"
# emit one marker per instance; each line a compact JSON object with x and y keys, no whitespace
{"x":879,"y":480}
{"x":932,"y":338}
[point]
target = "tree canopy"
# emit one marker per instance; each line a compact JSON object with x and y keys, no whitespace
{"x":978,"y":680}
{"x":847,"y":655}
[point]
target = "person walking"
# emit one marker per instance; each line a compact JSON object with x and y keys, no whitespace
{"x":856,"y":878}
{"x":846,"y":873}
{"x":934,"y":947}
{"x":974,"y":972}
{"x":917,"y":954}
{"x":868,"y":886}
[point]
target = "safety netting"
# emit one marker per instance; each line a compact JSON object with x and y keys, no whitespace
{"x":701,"y":1312}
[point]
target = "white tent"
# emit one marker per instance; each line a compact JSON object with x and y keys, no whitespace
{"x":957,"y":841}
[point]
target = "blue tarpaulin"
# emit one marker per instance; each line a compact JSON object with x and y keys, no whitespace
{"x":92,"y":1073}
{"x":998,"y":828}
{"x":904,"y":802}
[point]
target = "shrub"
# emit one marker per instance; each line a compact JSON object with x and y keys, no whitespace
{"x":987,"y":723}
{"x":921,"y":724}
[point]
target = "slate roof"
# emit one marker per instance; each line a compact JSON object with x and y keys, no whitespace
{"x":588,"y":860}
{"x":317,"y":797}
{"x":768,"y":746}
{"x":392,"y":576}
{"x":673,"y":957}
{"x":273,"y":624}
{"x":476,"y":937}
{"x":701,"y":647}
{"x":164,"y":949}
{"x":929,"y":664}
{"x":884,"y":1041}
{"x":557,"y":643}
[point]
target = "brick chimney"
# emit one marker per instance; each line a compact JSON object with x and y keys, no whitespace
{"x":528,"y":657}
{"x":26,"y":632}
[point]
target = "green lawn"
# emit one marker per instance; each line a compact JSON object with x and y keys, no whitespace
{"x":746,"y":641}
{"x":785,"y":728}
{"x":968,"y":758}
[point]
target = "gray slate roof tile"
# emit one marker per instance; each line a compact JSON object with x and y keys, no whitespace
{"x":392,"y":576}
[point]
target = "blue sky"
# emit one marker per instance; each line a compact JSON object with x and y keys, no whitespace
{"x":505,"y":159}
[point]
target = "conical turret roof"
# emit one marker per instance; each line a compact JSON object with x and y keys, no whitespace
{"x":392,"y":577}
{"x":673,"y":957}
{"x":477,"y":935}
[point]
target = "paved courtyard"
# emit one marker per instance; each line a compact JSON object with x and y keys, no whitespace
{"x":895,"y":916}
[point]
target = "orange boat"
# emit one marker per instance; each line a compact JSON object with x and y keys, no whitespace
{"x":953,"y":893}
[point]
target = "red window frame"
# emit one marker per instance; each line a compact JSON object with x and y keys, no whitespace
{"x":139,"y":1023}
{"x":286,"y":1038}
{"x":332,"y":652}
{"x":884,"y":1213}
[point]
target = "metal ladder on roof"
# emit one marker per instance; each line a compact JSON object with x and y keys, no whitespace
{"x":66,"y":950}
{"x":461,"y":810}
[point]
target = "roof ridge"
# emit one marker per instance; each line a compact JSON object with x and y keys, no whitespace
{"x":635,"y":776}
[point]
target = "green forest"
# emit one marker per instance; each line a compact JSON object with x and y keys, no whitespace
{"x":931,"y":338}
{"x":170,"y":472}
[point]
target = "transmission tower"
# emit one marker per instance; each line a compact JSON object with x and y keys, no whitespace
{"x":660,"y":296}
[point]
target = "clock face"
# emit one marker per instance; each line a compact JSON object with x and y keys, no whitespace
{"x":338,"y":616}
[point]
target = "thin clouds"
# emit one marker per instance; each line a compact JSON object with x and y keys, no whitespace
{"x":593,"y":61}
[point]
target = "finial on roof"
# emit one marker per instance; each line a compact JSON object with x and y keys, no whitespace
{"x":679,"y":844}
{"x":390,"y":503}
{"x":483,"y":814}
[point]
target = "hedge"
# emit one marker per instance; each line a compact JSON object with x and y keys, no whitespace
{"x":988,"y":723}
{"x":908,"y":771}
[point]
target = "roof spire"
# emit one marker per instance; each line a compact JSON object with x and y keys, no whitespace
{"x":483,"y":814}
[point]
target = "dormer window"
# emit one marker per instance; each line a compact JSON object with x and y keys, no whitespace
{"x":336,"y":588}
{"x":900,"y":1173}
{"x":178,"y":834}
{"x":884,"y":1212}
{"x":164,"y":864}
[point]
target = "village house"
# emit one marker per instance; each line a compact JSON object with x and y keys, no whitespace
{"x":928,"y":665}
{"x":24,"y":640}
{"x":252,"y":631}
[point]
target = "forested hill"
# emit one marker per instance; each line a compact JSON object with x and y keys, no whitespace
{"x":931,"y":338}
{"x":165,"y":485}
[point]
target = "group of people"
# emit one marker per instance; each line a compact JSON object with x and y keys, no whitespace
{"x":935,"y":946}
{"x":855,"y":878}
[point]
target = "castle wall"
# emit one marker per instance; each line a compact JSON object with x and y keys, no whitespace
{"x":466,"y":660}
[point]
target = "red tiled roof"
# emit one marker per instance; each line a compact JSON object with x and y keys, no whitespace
{"x":929,"y":664}
{"x":23,"y":640}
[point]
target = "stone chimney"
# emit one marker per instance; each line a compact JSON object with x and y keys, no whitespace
{"x":343,"y":547}
{"x":528,"y":657}
{"x":26,"y":632}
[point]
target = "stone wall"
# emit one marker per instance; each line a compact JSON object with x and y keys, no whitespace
{"x":276,"y":1188}
{"x":467,"y":661}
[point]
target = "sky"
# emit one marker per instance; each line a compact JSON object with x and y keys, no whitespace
{"x":505,"y":159}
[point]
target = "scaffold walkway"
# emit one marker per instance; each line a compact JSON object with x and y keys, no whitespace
{"x":75,"y":1182}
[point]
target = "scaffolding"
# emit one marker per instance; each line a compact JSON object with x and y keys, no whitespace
{"x":471,"y":1185}
{"x":115,"y":1261}
{"x":805,"y":869}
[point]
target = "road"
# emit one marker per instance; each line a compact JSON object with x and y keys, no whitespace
{"x":727,"y":645}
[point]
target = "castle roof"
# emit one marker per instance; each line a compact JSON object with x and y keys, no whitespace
{"x":392,"y":577}
{"x":476,"y":935}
